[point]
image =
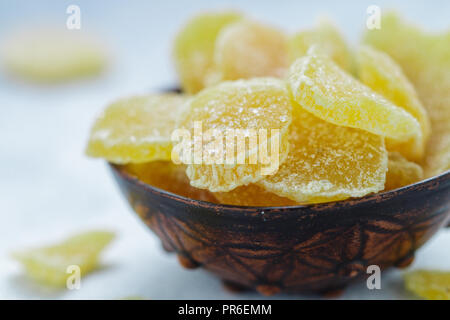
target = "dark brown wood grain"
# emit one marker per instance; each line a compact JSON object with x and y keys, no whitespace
{"x":314,"y":248}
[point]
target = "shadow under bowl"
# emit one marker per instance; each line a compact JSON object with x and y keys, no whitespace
{"x":317,"y":248}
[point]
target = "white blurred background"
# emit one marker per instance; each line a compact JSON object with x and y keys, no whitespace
{"x":49,"y":189}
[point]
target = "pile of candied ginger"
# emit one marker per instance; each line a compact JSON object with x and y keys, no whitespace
{"x":343,"y":122}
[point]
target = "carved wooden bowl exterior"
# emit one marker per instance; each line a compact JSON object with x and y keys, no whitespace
{"x":314,"y":248}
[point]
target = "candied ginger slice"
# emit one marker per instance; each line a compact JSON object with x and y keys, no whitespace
{"x":401,"y":172}
{"x":247,"y":49}
{"x":379,"y":72}
{"x":168,"y":176}
{"x":259,"y":107}
{"x":49,"y":265}
{"x":328,"y":40}
{"x":333,"y":95}
{"x":328,"y":162}
{"x":425,"y":59}
{"x":136,"y":129}
{"x":431,"y":285}
{"x":53,"y":55}
{"x":194,"y":48}
{"x":252,"y":195}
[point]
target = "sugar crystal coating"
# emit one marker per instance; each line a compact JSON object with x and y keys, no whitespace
{"x":328,"y":162}
{"x":251,"y":106}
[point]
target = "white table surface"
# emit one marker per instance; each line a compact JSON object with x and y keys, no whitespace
{"x":49,"y":189}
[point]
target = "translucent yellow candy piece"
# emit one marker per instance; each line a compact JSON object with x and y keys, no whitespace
{"x":254,"y":110}
{"x":136,"y":129}
{"x":328,"y":162}
{"x":170,"y":177}
{"x":431,"y":285}
{"x":425,"y":59}
{"x":49,"y":265}
{"x":331,"y":94}
{"x":379,"y":72}
{"x":247,"y":49}
{"x":52,"y":55}
{"x":438,"y":157}
{"x":194,"y":48}
{"x":252,"y":195}
{"x":327,"y":39}
{"x":401,"y":172}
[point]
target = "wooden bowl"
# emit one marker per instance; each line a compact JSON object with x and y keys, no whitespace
{"x":314,"y":248}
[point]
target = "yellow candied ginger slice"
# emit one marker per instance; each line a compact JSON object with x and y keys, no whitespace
{"x":137,"y":129}
{"x":327,"y":39}
{"x":52,"y":55}
{"x":379,"y":72}
{"x":401,"y":172}
{"x":333,"y":95}
{"x":425,"y":59}
{"x":245,"y":130}
{"x":252,"y":195}
{"x":328,"y":162}
{"x":194,"y":48}
{"x":168,"y":176}
{"x":438,"y":155}
{"x":431,"y":285}
{"x":49,"y":265}
{"x":248,"y":49}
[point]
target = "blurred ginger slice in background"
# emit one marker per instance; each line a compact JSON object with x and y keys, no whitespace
{"x":247,"y":49}
{"x":51,"y":55}
{"x":327,"y":40}
{"x":49,"y":265}
{"x":401,"y":172}
{"x":213,"y":47}
{"x":431,"y":285}
{"x":425,"y":59}
{"x":194,"y":48}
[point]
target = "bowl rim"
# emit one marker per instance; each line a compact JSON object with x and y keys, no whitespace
{"x":444,"y":176}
